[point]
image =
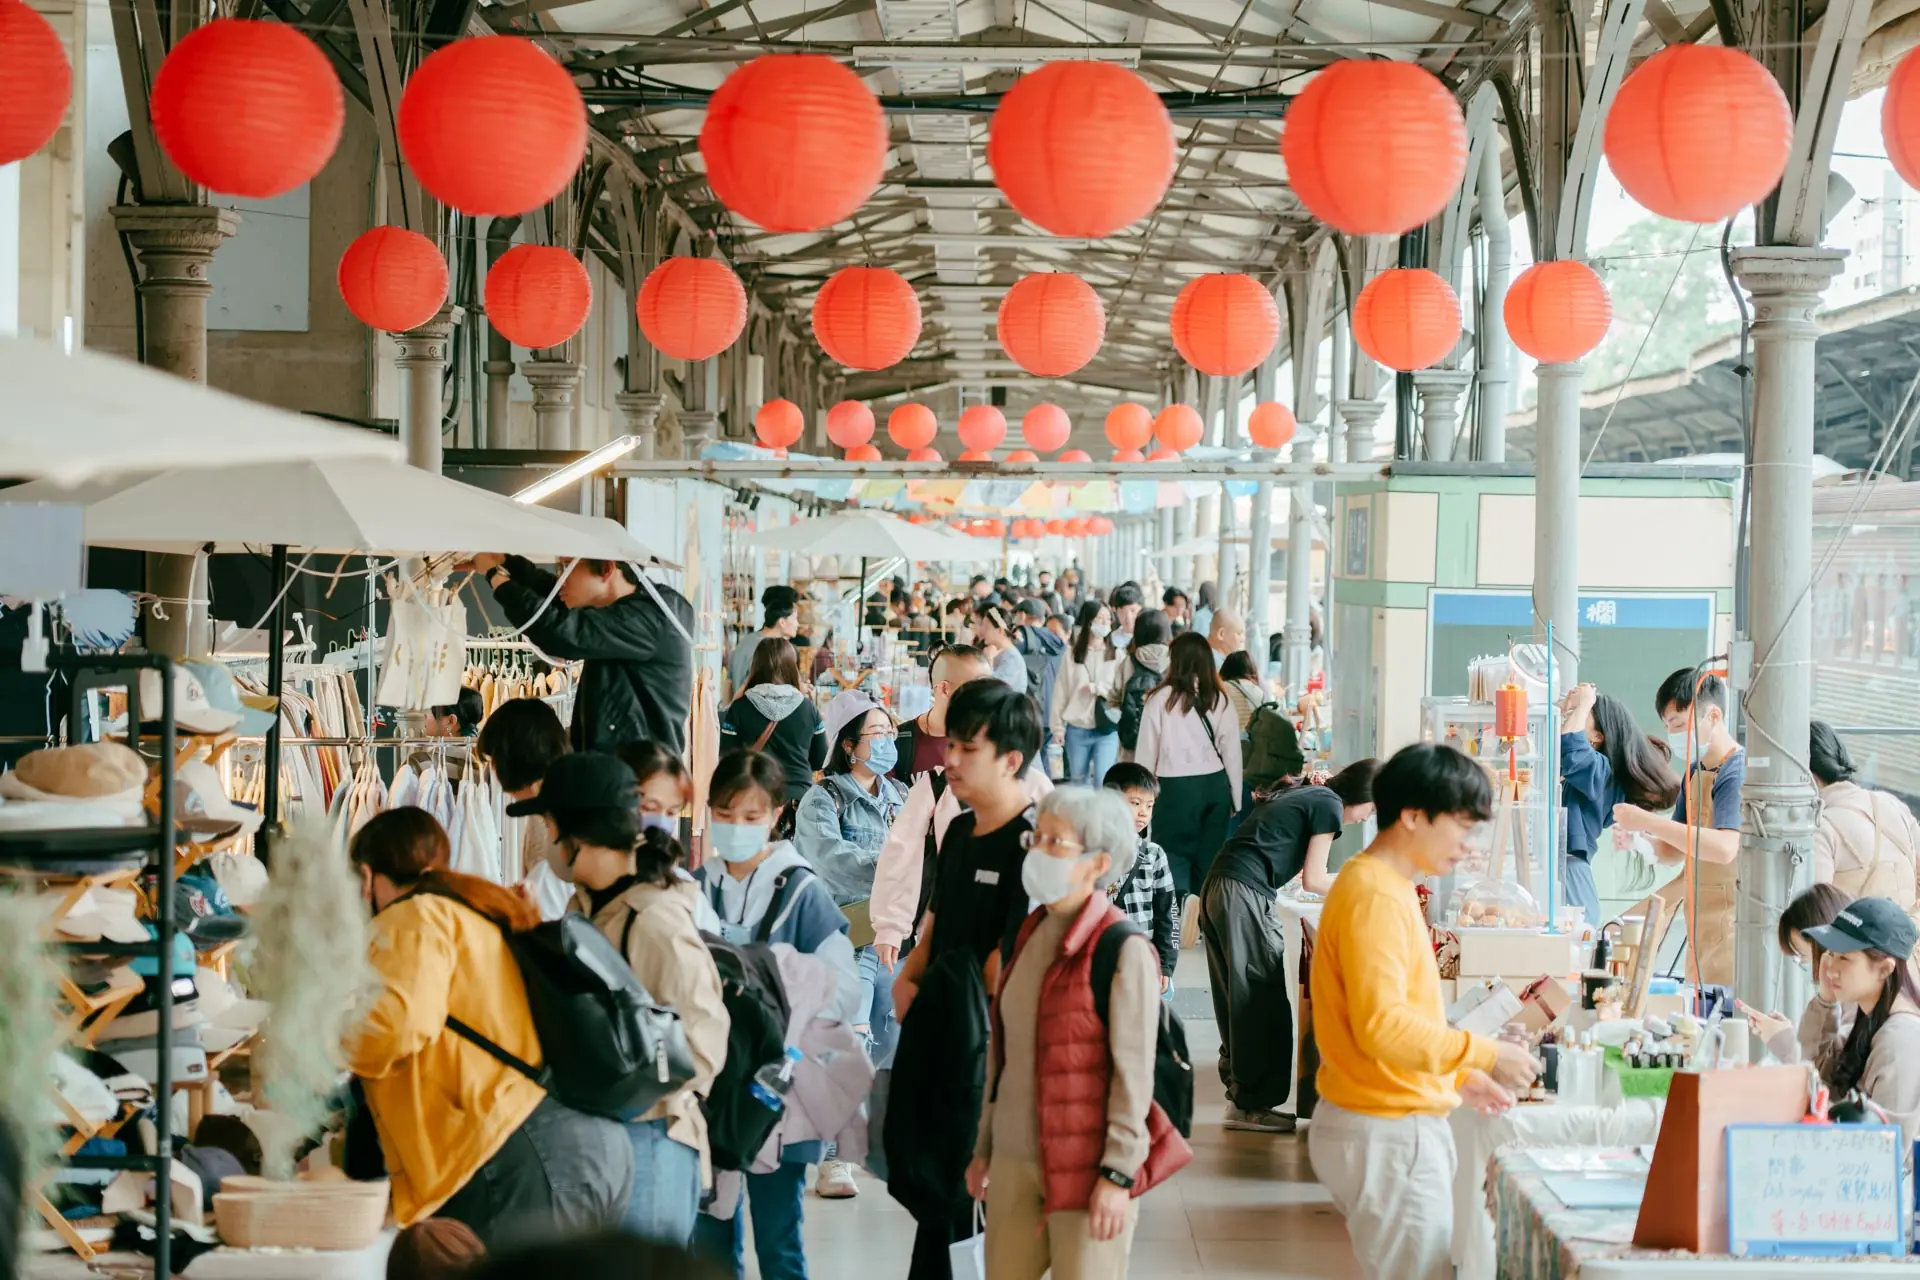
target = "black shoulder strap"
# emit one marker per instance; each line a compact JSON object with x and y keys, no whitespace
{"x":626,"y":934}
{"x":1106,"y":960}
{"x":764,"y":929}
{"x":540,"y":1077}
{"x":1009,"y":943}
{"x":937,"y":783}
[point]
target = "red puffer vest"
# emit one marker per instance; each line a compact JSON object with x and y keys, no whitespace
{"x":1073,"y":1064}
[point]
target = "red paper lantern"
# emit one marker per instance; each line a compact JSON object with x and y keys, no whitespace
{"x":924,"y":455}
{"x":982,"y":427}
{"x":1407,"y":318}
{"x":794,"y":142}
{"x":1023,"y":455}
{"x":866,"y":317}
{"x":1224,"y":324}
{"x":779,"y":423}
{"x":538,"y":295}
{"x":37,"y":84}
{"x":1056,"y":527}
{"x":1164,"y":455}
{"x":976,"y":455}
{"x":1270,"y":425}
{"x":1374,"y":147}
{"x":1045,"y":427}
{"x":1129,"y":426}
{"x":691,"y":308}
{"x":1081,"y":148}
{"x":393,"y":279}
{"x":1099,"y":526}
{"x":1129,"y":455}
{"x":849,"y":424}
{"x":1077,"y":527}
{"x":1558,"y":311}
{"x":492,"y":125}
{"x":863,"y":453}
{"x":1021,"y":529}
{"x":987,"y":529}
{"x":1051,"y":323}
{"x":247,"y":108}
{"x":1178,"y":427}
{"x":1075,"y":455}
{"x":912,"y":426}
{"x":1899,"y":119}
{"x":1699,"y":132}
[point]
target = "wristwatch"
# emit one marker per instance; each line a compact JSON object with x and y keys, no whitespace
{"x":1117,"y":1178}
{"x":497,"y":575}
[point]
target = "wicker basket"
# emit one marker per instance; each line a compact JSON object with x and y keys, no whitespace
{"x":259,"y":1213}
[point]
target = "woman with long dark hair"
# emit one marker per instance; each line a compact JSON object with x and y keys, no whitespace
{"x":1866,"y":966}
{"x":1190,"y":740}
{"x":1866,"y":842}
{"x":774,"y":714}
{"x":1088,"y":730}
{"x":1605,"y":759}
{"x":1139,"y":672}
{"x":1808,"y":911}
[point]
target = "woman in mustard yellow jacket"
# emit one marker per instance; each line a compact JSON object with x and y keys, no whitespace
{"x":466,"y":1137}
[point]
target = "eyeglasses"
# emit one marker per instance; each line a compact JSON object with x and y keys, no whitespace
{"x":1051,"y":844}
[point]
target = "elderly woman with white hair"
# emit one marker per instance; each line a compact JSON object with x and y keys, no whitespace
{"x":1070,"y":1069}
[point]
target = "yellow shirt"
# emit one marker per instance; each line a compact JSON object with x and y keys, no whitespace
{"x":1385,"y":1046}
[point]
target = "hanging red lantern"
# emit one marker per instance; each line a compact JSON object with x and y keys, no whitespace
{"x":1407,"y":318}
{"x":975,"y":455}
{"x":492,"y":125}
{"x":1129,"y":455}
{"x":37,"y":85}
{"x":1045,"y":427}
{"x":924,"y":455}
{"x":1178,"y":427}
{"x":1164,"y":455}
{"x":1558,"y":311}
{"x":866,"y":317}
{"x":779,"y":424}
{"x":1698,"y":132}
{"x":538,"y":296}
{"x":1051,"y":323}
{"x":1099,"y":526}
{"x":1056,"y":527}
{"x":691,"y":308}
{"x":1899,"y":118}
{"x":993,"y":528}
{"x":1374,"y":147}
{"x":1075,"y":455}
{"x":247,"y":108}
{"x":1081,"y":148}
{"x":1129,"y":426}
{"x":849,"y":424}
{"x":863,"y":453}
{"x":794,"y":141}
{"x":1020,"y":529}
{"x":982,"y":427}
{"x":912,"y":426}
{"x":1077,"y":527}
{"x":393,"y":279}
{"x":1023,"y":455}
{"x":1225,"y":323}
{"x":1270,"y":425}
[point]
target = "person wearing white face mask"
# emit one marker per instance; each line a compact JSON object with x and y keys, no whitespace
{"x":764,"y":892}
{"x":1079,"y":716}
{"x":1705,"y":822}
{"x":1078,"y":1088}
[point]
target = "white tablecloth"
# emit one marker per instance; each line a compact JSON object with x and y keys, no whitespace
{"x":1295,"y":917}
{"x":1476,"y":1138}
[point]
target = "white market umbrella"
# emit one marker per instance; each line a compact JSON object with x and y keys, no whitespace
{"x":611,"y":531}
{"x":347,"y":507}
{"x":73,"y":416}
{"x":872,"y":535}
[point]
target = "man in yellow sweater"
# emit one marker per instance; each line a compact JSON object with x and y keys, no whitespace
{"x":1390,"y":1066}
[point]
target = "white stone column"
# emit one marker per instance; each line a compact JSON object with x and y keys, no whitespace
{"x":1259,"y":571}
{"x":1299,"y":574}
{"x":1779,"y":800}
{"x":423,"y":369}
{"x":1556,"y":516}
{"x":555,"y":384}
{"x":1440,"y":409}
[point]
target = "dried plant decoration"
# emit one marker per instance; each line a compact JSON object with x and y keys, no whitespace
{"x":29,"y":1035}
{"x":310,"y":962}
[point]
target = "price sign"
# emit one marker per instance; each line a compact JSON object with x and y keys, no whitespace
{"x":1813,"y":1190}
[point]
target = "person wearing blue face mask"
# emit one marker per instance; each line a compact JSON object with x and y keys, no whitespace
{"x":840,"y":829}
{"x":764,"y":892}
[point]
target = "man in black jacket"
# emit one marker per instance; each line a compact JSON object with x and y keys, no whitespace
{"x":637,"y":685}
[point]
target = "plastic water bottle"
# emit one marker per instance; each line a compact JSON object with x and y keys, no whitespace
{"x":773,"y":1082}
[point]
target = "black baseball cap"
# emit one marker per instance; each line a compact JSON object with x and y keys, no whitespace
{"x":1033,"y":607}
{"x":1875,"y":924}
{"x":583,"y":780}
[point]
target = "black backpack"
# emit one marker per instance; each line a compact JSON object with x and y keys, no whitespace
{"x":738,"y":1124}
{"x":610,"y":1050}
{"x":1172,"y":1064}
{"x":1273,"y":748}
{"x":1133,"y":703}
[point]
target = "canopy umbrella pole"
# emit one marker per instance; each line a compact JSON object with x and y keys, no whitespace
{"x":860,"y":604}
{"x":276,"y":673}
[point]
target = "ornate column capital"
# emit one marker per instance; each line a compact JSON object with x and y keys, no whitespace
{"x":1440,"y":409}
{"x":553,"y":381}
{"x":176,"y":242}
{"x":430,"y":343}
{"x":696,"y":429}
{"x":1785,"y":283}
{"x":1360,"y":418}
{"x":642,"y":412}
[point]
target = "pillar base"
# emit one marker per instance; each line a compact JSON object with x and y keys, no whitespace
{"x":1440,"y":391}
{"x":423,"y":363}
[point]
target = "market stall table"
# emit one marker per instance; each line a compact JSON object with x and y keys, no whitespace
{"x":1537,"y":1237}
{"x":1299,"y":917}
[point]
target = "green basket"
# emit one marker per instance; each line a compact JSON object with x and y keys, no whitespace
{"x":1639,"y":1082}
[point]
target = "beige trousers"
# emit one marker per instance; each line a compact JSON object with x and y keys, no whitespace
{"x":1020,"y":1246}
{"x":1393,"y":1181}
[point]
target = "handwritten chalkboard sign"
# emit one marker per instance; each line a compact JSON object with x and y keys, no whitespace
{"x":1813,"y":1190}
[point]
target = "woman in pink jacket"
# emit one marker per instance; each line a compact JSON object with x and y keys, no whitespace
{"x":1190,"y":739}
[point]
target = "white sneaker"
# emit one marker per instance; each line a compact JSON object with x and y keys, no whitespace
{"x":1257,"y":1121}
{"x":836,"y":1181}
{"x":1190,"y":924}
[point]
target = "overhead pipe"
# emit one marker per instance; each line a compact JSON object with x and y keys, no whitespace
{"x":499,"y":366}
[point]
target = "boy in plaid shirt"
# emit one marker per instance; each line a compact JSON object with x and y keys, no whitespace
{"x":1146,"y":895}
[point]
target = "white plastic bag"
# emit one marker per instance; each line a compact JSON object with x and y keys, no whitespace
{"x":968,"y":1258}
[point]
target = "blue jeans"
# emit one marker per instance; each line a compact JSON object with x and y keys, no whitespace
{"x":776,"y":1199}
{"x":666,"y":1185}
{"x":1576,"y":873}
{"x":876,"y":1007}
{"x":1090,"y":755}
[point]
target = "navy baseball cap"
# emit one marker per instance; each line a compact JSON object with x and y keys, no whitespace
{"x":1869,"y":924}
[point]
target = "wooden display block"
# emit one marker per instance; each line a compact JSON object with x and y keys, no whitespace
{"x":1492,"y":953}
{"x":1685,"y":1206}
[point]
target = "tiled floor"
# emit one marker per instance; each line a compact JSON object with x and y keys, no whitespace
{"x":1247,"y":1206}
